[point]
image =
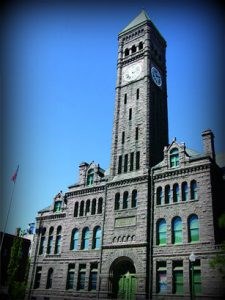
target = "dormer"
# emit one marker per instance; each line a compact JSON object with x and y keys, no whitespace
{"x":58,"y":202}
{"x":90,"y":174}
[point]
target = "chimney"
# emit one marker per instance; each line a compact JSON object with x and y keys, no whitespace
{"x":208,"y":143}
{"x":82,"y":172}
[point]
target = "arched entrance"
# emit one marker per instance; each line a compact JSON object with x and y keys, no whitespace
{"x":122,"y":279}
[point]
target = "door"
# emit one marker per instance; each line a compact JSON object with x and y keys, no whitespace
{"x":127,"y":286}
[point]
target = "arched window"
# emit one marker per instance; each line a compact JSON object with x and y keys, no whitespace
{"x":193,"y":229}
{"x":176,"y":193}
{"x":159,"y":195}
{"x":100,"y":202}
{"x":194,"y":195}
{"x":93,"y":207}
{"x":174,"y":158}
{"x":49,"y":278}
{"x":58,"y":206}
{"x":58,"y":240}
{"x":177,"y":235}
{"x":90,"y":177}
{"x":167,"y":194}
{"x":81,"y":208}
{"x":126,"y":52}
{"x":74,"y":239}
{"x":161,"y":232}
{"x":97,"y":236}
{"x":76,"y":208}
{"x":184,"y":188}
{"x":42,"y":242}
{"x":140,"y":46}
{"x":125,"y":200}
{"x":134,"y":198}
{"x":50,"y":240}
{"x":133,"y":49}
{"x":87,"y":208}
{"x":85,"y":239}
{"x":117,"y":201}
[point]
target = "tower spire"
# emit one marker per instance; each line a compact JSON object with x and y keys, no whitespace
{"x":141,"y":18}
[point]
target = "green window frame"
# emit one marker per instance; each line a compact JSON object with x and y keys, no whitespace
{"x":50,"y":240}
{"x":174,"y":158}
{"x":97,"y":237}
{"x":117,"y":201}
{"x":85,"y":239}
{"x":159,"y":195}
{"x":70,"y":276}
{"x":193,"y":187}
{"x":161,"y":277}
{"x":81,"y":277}
{"x":134,"y":199}
{"x":58,"y":206}
{"x":93,"y":206}
{"x":193,"y":228}
{"x":167,"y":194}
{"x":176,"y":193}
{"x":177,"y":232}
{"x":184,"y":191}
{"x":90,"y":177}
{"x":178,"y":278}
{"x":58,"y":240}
{"x":74,"y":239}
{"x":49,"y":279}
{"x":42,"y":242}
{"x":93,"y":277}
{"x":125,"y":200}
{"x":161,"y":237}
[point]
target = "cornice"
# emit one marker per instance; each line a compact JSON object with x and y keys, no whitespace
{"x":138,"y":245}
{"x":127,"y":181}
{"x":85,"y":191}
{"x":51,"y":217}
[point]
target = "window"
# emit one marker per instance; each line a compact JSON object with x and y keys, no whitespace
{"x":161,"y":232}
{"x":87,"y":208}
{"x":138,"y":160}
{"x":58,"y":206}
{"x":132,"y":161}
{"x":125,"y":162}
{"x":133,"y":49}
{"x":193,"y":229}
{"x":93,"y":276}
{"x":134,"y":199}
{"x":81,"y":277}
{"x":90,"y":177}
{"x":117,"y":201}
{"x":137,"y":94}
{"x":174,"y":158}
{"x":130,"y":114}
{"x":194,"y":195}
{"x":126,"y":52}
{"x":177,"y":235}
{"x":140,"y":46}
{"x":93,"y":207}
{"x":123,"y":137}
{"x":161,"y":277}
{"x":37,"y":278}
{"x":167,"y":194}
{"x":85,"y":239}
{"x":120,"y":164}
{"x":76,"y":208}
{"x":49,"y":278}
{"x":58,"y":240}
{"x":70,"y":276}
{"x":50,"y":240}
{"x":159,"y":195}
{"x":81,"y":208}
{"x":136,"y":134}
{"x":125,"y":200}
{"x":97,"y":236}
{"x":184,"y":189}
{"x":178,"y":279}
{"x":176,"y":194}
{"x":197,"y":285}
{"x":125,"y":98}
{"x":42,"y":242}
{"x":100,"y":202}
{"x":74,"y":239}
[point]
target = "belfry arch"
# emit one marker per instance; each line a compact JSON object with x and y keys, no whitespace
{"x":122,"y":279}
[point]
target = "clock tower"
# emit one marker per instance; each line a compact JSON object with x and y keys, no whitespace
{"x":140,"y":129}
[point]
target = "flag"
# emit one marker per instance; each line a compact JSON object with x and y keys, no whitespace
{"x":13,"y":178}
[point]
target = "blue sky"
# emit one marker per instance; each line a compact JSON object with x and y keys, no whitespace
{"x":59,"y":75}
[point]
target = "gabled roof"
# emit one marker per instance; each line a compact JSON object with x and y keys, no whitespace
{"x":141,"y":18}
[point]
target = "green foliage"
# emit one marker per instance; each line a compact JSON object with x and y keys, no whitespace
{"x":218,"y":262}
{"x":17,"y":288}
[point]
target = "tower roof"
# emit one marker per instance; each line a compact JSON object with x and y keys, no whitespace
{"x":141,"y":18}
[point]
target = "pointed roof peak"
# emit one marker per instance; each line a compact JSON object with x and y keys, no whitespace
{"x":141,"y":18}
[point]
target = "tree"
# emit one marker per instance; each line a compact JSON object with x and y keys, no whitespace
{"x":218,"y":262}
{"x":17,"y":263}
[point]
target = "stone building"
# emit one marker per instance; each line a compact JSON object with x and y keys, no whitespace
{"x":129,"y":232}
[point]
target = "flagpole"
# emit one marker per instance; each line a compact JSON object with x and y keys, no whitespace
{"x":10,"y":204}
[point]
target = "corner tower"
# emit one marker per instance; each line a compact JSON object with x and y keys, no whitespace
{"x":140,"y":129}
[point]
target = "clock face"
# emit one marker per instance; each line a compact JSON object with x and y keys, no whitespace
{"x":132,"y":72}
{"x":156,"y":76}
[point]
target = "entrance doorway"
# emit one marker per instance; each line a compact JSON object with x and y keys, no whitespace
{"x":123,"y":280}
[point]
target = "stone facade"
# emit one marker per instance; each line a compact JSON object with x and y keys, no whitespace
{"x":128,"y":233}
